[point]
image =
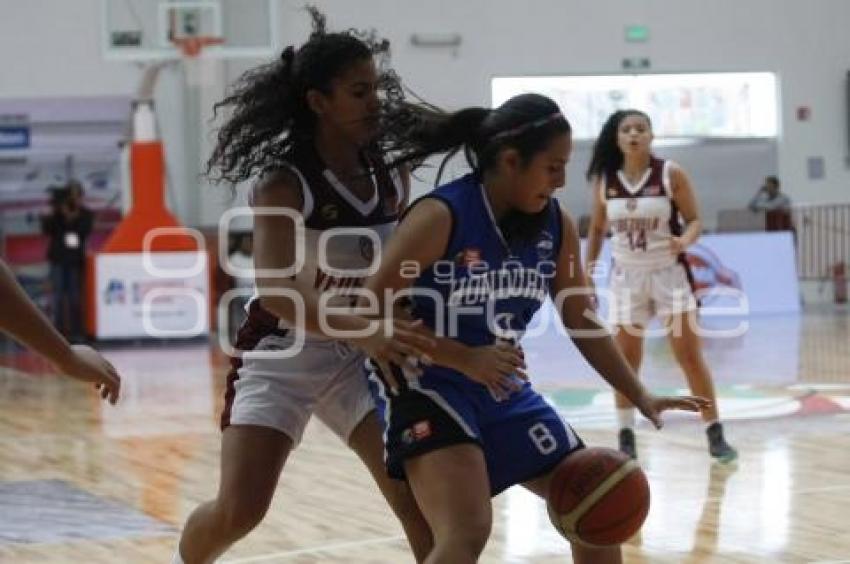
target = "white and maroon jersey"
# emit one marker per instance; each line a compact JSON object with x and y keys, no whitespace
{"x":642,"y":217}
{"x":344,"y":234}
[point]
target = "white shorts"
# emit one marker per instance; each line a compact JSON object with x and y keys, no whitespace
{"x":326,"y":378}
{"x":639,"y":294}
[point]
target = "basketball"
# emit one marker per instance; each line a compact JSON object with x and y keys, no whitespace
{"x":598,"y":497}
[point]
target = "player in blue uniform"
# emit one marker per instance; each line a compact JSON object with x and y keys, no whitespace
{"x":479,"y":255}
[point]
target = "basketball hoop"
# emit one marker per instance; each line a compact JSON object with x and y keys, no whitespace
{"x":192,"y":46}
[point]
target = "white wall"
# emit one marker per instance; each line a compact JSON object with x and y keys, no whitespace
{"x":51,"y":47}
{"x":805,"y":43}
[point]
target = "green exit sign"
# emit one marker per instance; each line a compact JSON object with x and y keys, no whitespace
{"x":637,"y":33}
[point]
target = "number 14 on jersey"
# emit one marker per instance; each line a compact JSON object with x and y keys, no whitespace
{"x":637,"y":239}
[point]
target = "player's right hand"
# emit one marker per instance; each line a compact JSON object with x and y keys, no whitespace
{"x":87,"y":365}
{"x":651,"y":406}
{"x":403,"y":343}
{"x":493,"y":365}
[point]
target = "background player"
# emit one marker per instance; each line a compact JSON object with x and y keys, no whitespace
{"x":641,"y":198}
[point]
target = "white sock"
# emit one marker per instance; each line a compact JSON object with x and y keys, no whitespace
{"x":626,"y":418}
{"x":176,"y":559}
{"x":712,"y":422}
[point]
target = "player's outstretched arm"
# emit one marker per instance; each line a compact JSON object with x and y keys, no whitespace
{"x":23,"y":321}
{"x":595,"y":342}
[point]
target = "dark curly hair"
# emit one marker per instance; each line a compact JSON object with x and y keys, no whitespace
{"x":269,"y":106}
{"x":607,"y":157}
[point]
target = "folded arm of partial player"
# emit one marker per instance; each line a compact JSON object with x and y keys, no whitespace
{"x":422,"y":239}
{"x":23,"y":321}
{"x":274,"y":250}
{"x":593,"y":340}
{"x":686,"y":201}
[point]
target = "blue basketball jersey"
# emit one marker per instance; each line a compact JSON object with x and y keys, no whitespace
{"x":482,"y":289}
{"x":487,"y":289}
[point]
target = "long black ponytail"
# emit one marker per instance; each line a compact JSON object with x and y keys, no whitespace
{"x":527,"y":123}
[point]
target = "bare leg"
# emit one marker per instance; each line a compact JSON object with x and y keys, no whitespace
{"x":453,"y":491}
{"x":687,"y":349}
{"x":581,"y":554}
{"x":366,"y":441}
{"x":630,"y":341}
{"x":252,"y":459}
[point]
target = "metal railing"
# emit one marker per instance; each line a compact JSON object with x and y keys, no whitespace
{"x":823,"y":239}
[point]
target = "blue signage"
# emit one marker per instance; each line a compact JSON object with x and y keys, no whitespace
{"x":14,"y":137}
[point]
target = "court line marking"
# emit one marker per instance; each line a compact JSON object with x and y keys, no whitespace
{"x":802,"y":491}
{"x":388,"y":540}
{"x":322,"y":548}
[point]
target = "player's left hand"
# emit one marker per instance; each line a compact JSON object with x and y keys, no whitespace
{"x":651,"y":406}
{"x":677,"y":246}
{"x":86,"y":364}
{"x":493,"y":366}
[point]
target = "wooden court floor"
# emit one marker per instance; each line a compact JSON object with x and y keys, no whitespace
{"x":82,"y":482}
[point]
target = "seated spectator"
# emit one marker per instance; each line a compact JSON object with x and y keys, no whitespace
{"x":769,"y":198}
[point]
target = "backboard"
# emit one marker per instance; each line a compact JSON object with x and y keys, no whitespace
{"x":152,"y":30}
